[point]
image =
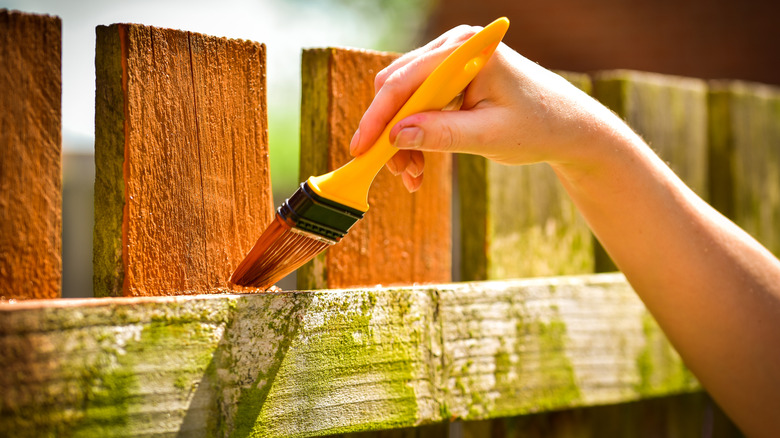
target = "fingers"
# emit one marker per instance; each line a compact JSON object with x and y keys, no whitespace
{"x":452,"y":37}
{"x":395,"y":91}
{"x":410,"y":165}
{"x":412,"y":183}
{"x":396,"y":83}
{"x":453,"y":131}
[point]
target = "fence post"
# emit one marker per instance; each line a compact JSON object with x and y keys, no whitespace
{"x":404,"y":238}
{"x":30,"y":156}
{"x":182,"y":187}
{"x":744,"y":127}
{"x":670,"y":113}
{"x":518,"y":221}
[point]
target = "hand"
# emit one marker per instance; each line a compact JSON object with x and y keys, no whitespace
{"x":513,"y":112}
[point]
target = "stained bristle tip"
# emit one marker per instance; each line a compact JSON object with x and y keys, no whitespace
{"x":280,"y":250}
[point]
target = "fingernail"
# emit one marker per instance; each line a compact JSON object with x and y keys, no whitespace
{"x":413,"y":169}
{"x":409,"y":138}
{"x":392,"y":168}
{"x":354,"y":142}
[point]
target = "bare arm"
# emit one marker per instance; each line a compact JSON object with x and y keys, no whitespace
{"x":714,"y":290}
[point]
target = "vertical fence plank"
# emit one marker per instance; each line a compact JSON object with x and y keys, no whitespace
{"x":745,"y":157}
{"x":517,"y":221}
{"x":404,"y":238}
{"x":30,"y":156}
{"x":182,"y":188}
{"x":670,"y":113}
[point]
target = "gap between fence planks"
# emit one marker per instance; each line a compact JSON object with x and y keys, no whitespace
{"x":30,"y":156}
{"x":518,"y":221}
{"x":404,"y":238}
{"x":181,"y":149}
{"x":745,"y":157}
{"x":324,"y":362}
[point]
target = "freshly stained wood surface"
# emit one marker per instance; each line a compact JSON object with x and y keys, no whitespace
{"x":670,"y":113}
{"x":404,"y":238}
{"x":30,"y":162}
{"x":745,"y":157}
{"x":327,"y":362}
{"x":183,"y":187}
{"x":518,"y":221}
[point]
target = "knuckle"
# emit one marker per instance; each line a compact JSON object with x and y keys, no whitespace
{"x":449,"y":138}
{"x":380,"y":79}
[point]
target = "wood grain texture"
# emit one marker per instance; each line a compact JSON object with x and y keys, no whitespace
{"x":328,"y":362}
{"x":518,"y":221}
{"x":183,"y":186}
{"x":670,"y":113}
{"x":30,"y":156}
{"x":745,"y":157}
{"x":404,"y":238}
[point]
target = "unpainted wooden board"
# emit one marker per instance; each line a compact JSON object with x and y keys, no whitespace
{"x":30,"y":157}
{"x":518,"y":221}
{"x":670,"y":113}
{"x":183,"y":187}
{"x":328,"y":362}
{"x":404,"y":238}
{"x":744,"y":133}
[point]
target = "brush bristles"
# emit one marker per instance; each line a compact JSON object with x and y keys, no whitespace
{"x":280,"y":250}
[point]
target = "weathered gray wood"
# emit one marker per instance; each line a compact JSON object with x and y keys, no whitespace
{"x":327,"y":362}
{"x":518,"y":221}
{"x":670,"y":113}
{"x":745,"y":157}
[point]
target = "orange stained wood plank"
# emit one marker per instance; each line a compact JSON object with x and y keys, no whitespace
{"x":404,"y":238}
{"x":30,"y":156}
{"x":183,"y":186}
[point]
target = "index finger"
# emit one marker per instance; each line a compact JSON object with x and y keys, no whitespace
{"x":397,"y":83}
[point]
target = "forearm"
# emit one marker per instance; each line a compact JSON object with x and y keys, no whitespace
{"x":712,"y":288}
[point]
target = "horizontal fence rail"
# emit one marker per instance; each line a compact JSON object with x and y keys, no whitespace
{"x":323,"y":362}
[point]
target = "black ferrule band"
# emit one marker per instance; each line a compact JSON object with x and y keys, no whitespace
{"x":308,"y":211}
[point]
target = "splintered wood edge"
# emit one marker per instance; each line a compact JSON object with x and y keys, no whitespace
{"x":334,"y":361}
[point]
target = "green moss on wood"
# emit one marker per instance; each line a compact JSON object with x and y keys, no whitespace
{"x":344,"y":340}
{"x":660,"y":368}
{"x":745,"y":168}
{"x":109,"y":158}
{"x":307,"y":364}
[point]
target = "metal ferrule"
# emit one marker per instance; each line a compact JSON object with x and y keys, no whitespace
{"x":309,"y":212}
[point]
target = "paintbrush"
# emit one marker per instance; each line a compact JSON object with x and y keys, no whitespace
{"x":325,"y":207}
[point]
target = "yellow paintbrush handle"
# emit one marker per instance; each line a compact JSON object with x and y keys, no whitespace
{"x":349,"y":184}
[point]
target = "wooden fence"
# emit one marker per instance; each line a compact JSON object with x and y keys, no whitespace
{"x":382,"y":343}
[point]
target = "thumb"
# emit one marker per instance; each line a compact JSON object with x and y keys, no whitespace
{"x":440,"y":131}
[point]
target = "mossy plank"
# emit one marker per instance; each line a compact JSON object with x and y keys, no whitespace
{"x":182,"y":187}
{"x":327,"y":362}
{"x":670,"y":113}
{"x":574,"y":341}
{"x":518,"y":221}
{"x":30,"y":159}
{"x":404,"y":238}
{"x":744,"y":128}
